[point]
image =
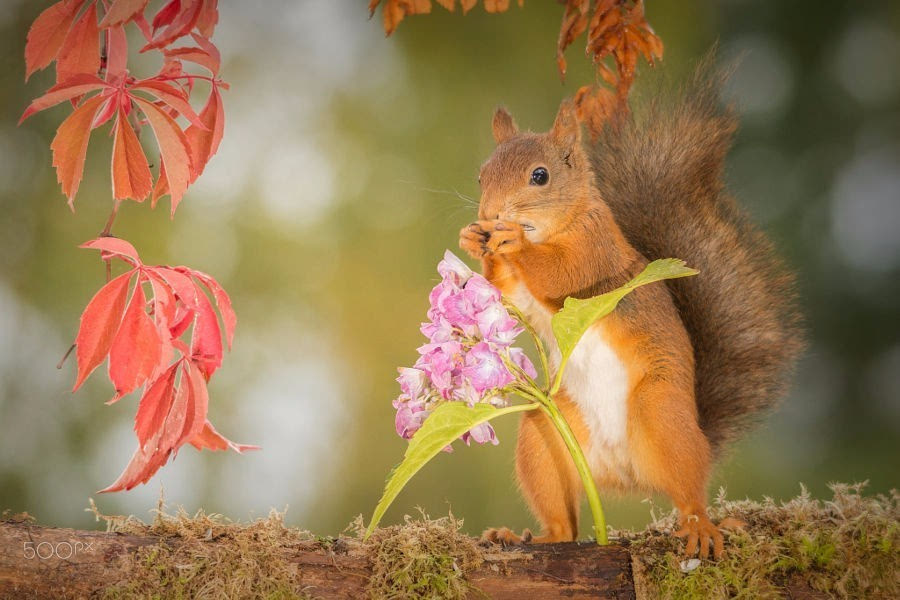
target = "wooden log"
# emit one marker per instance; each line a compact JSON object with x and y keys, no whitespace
{"x":46,"y":562}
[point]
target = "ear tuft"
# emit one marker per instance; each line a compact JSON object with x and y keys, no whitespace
{"x":566,"y":129}
{"x":503,"y":125}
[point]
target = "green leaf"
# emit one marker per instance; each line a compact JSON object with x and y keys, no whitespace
{"x":576,"y":316}
{"x":441,"y":428}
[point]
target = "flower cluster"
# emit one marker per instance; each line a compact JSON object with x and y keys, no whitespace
{"x":469,"y":356}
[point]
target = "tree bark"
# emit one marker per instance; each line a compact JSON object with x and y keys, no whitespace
{"x":47,"y":562}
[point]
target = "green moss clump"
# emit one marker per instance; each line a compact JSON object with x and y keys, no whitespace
{"x":252,"y":564}
{"x":846,"y":547}
{"x":421,"y":559}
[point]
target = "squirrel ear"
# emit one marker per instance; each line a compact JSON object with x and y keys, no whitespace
{"x":566,"y":129}
{"x":503,"y":125}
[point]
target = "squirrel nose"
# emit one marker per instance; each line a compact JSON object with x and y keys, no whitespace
{"x":489,"y":208}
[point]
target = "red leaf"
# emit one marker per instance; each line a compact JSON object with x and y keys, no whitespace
{"x":173,"y":149}
{"x":143,"y":26}
{"x":171,"y":96}
{"x":107,"y":111}
{"x":80,"y":52}
{"x":73,"y":87}
{"x":130,"y":171}
{"x":163,"y":313}
{"x":154,"y":408}
{"x":182,"y":409}
{"x":163,"y":300}
{"x":166,"y":14}
{"x":205,"y":142}
{"x":122,"y":11}
{"x":223,"y":302}
{"x":183,"y":319}
{"x":185,"y":420}
{"x":208,"y":18}
{"x":206,"y":338}
{"x":176,"y":23}
{"x":210,"y":48}
{"x":141,"y":467}
{"x":179,"y":283}
{"x":116,"y":53}
{"x":99,"y":323}
{"x":211,"y":439}
{"x":115,"y":246}
{"x":194,"y":55}
{"x":136,"y":349}
{"x":200,"y":396}
{"x":70,"y":146}
{"x":47,"y":34}
{"x":161,"y":187}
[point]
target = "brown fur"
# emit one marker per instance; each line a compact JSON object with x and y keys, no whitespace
{"x":660,"y":172}
{"x":701,"y":355}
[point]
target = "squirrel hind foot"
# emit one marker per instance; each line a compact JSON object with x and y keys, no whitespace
{"x":505,"y":537}
{"x":699,"y":530}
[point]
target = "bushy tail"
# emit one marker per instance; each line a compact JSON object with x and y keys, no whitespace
{"x":660,"y":171}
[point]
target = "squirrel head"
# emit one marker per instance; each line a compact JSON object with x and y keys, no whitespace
{"x":541,"y":181}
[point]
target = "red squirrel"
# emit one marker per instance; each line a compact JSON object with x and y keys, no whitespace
{"x":655,"y":390}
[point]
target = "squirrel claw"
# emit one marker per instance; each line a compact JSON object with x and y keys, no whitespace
{"x":699,"y":530}
{"x":473,"y":239}
{"x":500,"y":237}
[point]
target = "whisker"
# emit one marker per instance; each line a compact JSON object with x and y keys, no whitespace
{"x":451,"y":192}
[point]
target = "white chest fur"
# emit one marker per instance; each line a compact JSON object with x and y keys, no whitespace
{"x":597,"y":381}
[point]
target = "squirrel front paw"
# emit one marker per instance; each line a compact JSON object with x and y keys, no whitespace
{"x":473,"y":239}
{"x":481,"y":238}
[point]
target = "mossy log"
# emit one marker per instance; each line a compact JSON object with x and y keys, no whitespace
{"x":46,"y":562}
{"x":847,"y":547}
{"x":54,"y":563}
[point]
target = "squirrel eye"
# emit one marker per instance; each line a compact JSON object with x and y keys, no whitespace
{"x":540,"y":176}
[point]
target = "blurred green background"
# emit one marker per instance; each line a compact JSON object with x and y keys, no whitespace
{"x":331,"y":200}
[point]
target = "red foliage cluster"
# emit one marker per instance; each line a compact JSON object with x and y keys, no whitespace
{"x":615,"y":28}
{"x":395,"y":11}
{"x":91,"y":72}
{"x":142,"y":336}
{"x":141,"y":345}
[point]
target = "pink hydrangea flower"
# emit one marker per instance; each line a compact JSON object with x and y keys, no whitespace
{"x":518,"y":356}
{"x":438,"y":330}
{"x":481,"y":433}
{"x":481,"y":293}
{"x":453,"y":269}
{"x":485,"y":369}
{"x":496,"y":325}
{"x":409,"y":419}
{"x":470,"y":335}
{"x":412,"y":381}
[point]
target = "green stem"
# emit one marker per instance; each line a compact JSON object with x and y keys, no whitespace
{"x":557,"y":380}
{"x":545,"y":400}
{"x":581,"y":465}
{"x":542,"y":353}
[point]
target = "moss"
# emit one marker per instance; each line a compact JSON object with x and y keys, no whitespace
{"x":421,"y":559}
{"x":252,"y":563}
{"x":846,"y":547}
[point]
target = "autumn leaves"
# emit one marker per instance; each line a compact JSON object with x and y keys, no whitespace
{"x":158,"y":326}
{"x":100,"y":87}
{"x":141,"y":345}
{"x":615,"y":28}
